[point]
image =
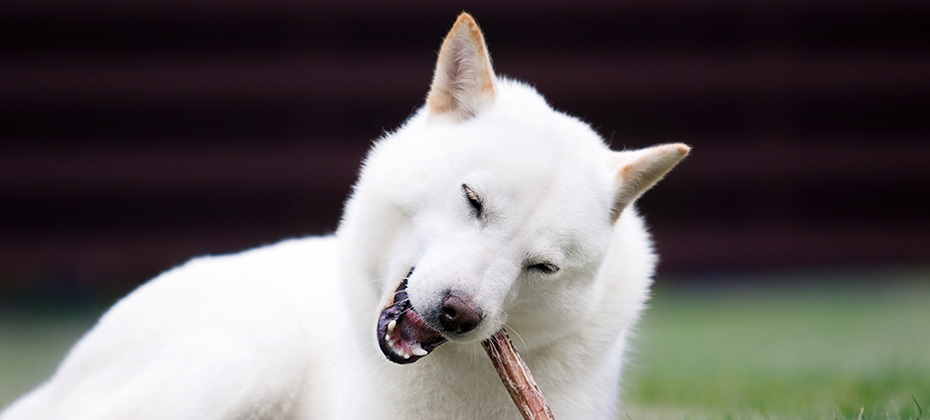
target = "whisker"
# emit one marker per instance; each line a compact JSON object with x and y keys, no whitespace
{"x":512,"y":330}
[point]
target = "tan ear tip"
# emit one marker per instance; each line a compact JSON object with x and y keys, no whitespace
{"x":682,"y":149}
{"x":465,"y":17}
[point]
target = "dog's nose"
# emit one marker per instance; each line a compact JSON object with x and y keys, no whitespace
{"x":459,"y":313}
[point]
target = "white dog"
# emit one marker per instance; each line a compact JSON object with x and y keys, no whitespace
{"x":487,"y":209}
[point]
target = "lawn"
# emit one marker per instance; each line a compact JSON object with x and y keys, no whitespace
{"x":32,"y":343}
{"x":810,"y":346}
{"x":820,"y":346}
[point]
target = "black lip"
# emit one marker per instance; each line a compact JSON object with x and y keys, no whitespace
{"x":392,"y":313}
{"x":401,"y":304}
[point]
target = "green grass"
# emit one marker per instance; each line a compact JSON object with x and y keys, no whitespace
{"x":819,"y":347}
{"x":798,"y":350}
{"x":32,"y":343}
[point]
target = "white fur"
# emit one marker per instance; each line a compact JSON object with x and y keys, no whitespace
{"x":287,"y":331}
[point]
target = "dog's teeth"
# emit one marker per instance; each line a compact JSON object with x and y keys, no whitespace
{"x":401,"y":352}
{"x":418,"y":351}
{"x":391,"y":325}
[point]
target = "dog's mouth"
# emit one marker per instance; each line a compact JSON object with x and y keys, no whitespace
{"x":403,"y":336}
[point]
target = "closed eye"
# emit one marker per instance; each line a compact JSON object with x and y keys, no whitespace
{"x":543,"y":268}
{"x":473,"y":200}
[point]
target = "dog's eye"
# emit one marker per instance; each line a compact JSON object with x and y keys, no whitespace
{"x":473,"y":200}
{"x":544,"y":268}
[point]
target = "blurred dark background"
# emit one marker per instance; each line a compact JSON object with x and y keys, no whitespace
{"x":134,"y":135}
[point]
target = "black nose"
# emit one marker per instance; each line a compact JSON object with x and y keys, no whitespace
{"x":458,"y":313}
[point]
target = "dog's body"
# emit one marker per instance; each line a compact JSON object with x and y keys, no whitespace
{"x":486,"y":209}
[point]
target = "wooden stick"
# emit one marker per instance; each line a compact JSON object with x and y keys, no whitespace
{"x":517,"y":377}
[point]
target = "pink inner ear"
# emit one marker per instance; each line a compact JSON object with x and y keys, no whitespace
{"x":640,"y":169}
{"x":463,"y":81}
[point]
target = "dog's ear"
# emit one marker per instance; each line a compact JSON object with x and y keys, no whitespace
{"x":464,"y":80}
{"x":638,"y":170}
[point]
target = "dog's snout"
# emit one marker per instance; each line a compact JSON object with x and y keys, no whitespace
{"x":458,"y":313}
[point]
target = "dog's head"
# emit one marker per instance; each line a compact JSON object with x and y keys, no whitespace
{"x":487,"y":208}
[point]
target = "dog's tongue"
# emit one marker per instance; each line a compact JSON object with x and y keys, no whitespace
{"x":402,"y":335}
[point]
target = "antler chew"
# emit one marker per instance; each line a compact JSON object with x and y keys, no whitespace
{"x":517,"y":377}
